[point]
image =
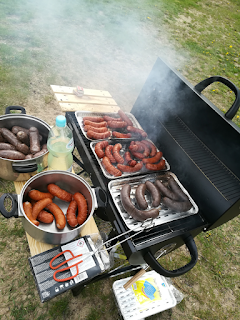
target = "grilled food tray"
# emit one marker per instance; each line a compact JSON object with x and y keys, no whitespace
{"x":125,"y":145}
{"x":165,"y":214}
{"x":80,"y":114}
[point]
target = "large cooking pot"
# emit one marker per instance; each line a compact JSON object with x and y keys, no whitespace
{"x":49,"y":233}
{"x":22,"y":170}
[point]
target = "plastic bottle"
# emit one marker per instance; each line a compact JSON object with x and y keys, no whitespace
{"x":60,"y":145}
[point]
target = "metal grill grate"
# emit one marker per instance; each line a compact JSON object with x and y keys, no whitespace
{"x":216,"y":172}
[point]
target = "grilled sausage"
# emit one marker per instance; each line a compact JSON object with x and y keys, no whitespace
{"x":107,"y":118}
{"x":82,"y":207}
{"x":121,"y":135}
{"x":58,"y":215}
{"x":12,"y":154}
{"x":16,"y":129}
{"x":6,"y":146}
{"x":124,"y":168}
{"x":177,"y":190}
{"x":71,"y":214}
{"x":45,"y":217}
{"x":179,"y":206}
{"x":154,"y":159}
{"x":157,"y":166}
{"x":140,"y":196}
{"x":12,"y":139}
{"x":110,"y":168}
{"x":139,"y":215}
{"x":23,"y":137}
{"x":39,"y":206}
{"x":116,"y":153}
{"x":99,"y":148}
{"x":29,"y":156}
{"x":129,"y":159}
{"x":38,"y":195}
{"x":93,"y":118}
{"x":28,"y":209}
{"x":151,"y":146}
{"x":98,"y":136}
{"x":155,"y":193}
{"x":40,"y":153}
{"x":125,"y":118}
{"x":34,"y":140}
{"x":59,"y":193}
{"x":116,"y":124}
{"x":98,"y":130}
{"x":165,"y":191}
{"x":95,"y":124}
{"x":108,"y":153}
{"x":137,"y":130}
{"x":138,"y":155}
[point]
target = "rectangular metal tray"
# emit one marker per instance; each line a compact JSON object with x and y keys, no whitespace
{"x":80,"y":114}
{"x":122,"y":151}
{"x":165,"y":214}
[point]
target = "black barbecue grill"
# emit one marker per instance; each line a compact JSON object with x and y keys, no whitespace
{"x":202,"y":146}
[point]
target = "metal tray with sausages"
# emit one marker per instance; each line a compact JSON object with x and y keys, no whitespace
{"x":81,"y":114}
{"x":125,"y":145}
{"x":165,"y":214}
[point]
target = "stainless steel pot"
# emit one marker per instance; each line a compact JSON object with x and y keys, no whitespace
{"x":22,"y":170}
{"x":48,"y":233}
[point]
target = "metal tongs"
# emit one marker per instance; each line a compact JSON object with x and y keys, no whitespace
{"x":147,"y":224}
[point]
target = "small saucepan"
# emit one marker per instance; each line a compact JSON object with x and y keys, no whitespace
{"x":49,"y":233}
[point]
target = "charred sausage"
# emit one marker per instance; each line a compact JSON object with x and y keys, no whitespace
{"x":155,"y":193}
{"x":140,"y":196}
{"x":139,"y":215}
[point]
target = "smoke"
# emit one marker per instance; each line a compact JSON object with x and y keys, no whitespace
{"x":98,"y":44}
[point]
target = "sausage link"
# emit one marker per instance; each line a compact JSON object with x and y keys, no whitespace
{"x":98,"y":136}
{"x":116,"y":153}
{"x":12,"y":139}
{"x":38,"y":195}
{"x":6,"y":146}
{"x":110,"y":168}
{"x":107,"y":118}
{"x":151,"y":146}
{"x":16,"y":129}
{"x":177,"y":190}
{"x":154,"y":159}
{"x":59,"y":216}
{"x":45,"y":217}
{"x":95,"y":124}
{"x":139,"y":215}
{"x":137,"y":130}
{"x":121,"y":135}
{"x":71,"y":214}
{"x":140,"y":196}
{"x":108,"y":153}
{"x":39,"y":206}
{"x":125,"y":118}
{"x":59,"y":193}
{"x":157,"y":166}
{"x":155,"y":193}
{"x":40,"y":153}
{"x":93,"y":119}
{"x":98,"y":130}
{"x":138,"y":155}
{"x":28,"y":209}
{"x":12,"y":154}
{"x":82,"y":207}
{"x":116,"y":124}
{"x":124,"y":168}
{"x":99,"y":148}
{"x":129,"y":159}
{"x":165,"y":191}
{"x":23,"y":137}
{"x":177,"y":205}
{"x":34,"y":140}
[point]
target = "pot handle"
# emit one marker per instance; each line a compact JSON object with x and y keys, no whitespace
{"x":102,"y":202}
{"x":8,"y":109}
{"x":235,"y":106}
{"x":14,"y":210}
{"x":155,"y":265}
{"x":25,"y":169}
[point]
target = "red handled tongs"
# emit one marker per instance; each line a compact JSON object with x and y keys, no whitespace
{"x":64,"y":269}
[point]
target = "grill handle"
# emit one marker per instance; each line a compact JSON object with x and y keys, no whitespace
{"x":155,"y":265}
{"x":235,"y":106}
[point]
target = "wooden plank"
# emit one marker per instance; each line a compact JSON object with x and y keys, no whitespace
{"x":65,"y":107}
{"x":69,"y":98}
{"x":87,"y":92}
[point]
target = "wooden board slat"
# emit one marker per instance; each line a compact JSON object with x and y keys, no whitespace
{"x":69,"y":98}
{"x":87,"y":107}
{"x":87,"y":92}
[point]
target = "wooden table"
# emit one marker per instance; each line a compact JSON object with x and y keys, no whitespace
{"x":92,"y":100}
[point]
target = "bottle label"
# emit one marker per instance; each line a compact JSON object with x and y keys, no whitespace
{"x":70,"y":144}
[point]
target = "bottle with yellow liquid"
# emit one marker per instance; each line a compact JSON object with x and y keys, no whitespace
{"x":60,"y":145}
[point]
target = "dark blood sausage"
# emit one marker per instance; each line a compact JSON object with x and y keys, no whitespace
{"x":59,"y":193}
{"x":23,"y":137}
{"x":140,"y":146}
{"x":93,"y":119}
{"x":95,"y":124}
{"x":124,"y":168}
{"x":12,"y":154}
{"x":98,"y":130}
{"x":12,"y":139}
{"x":154,"y":159}
{"x":139,"y":215}
{"x":125,"y":118}
{"x":45,"y":217}
{"x":129,"y":159}
{"x":140,"y":196}
{"x":98,"y":136}
{"x":71,"y":214}
{"x":116,"y":153}
{"x":58,"y":215}
{"x":40,"y":153}
{"x":165,"y":191}
{"x":110,"y":168}
{"x":34,"y":140}
{"x":157,"y":166}
{"x":151,"y":146}
{"x":99,"y":148}
{"x":177,"y":190}
{"x":137,"y":130}
{"x":6,"y":146}
{"x":116,"y":124}
{"x":155,"y":193}
{"x":82,"y":207}
{"x":29,"y":156}
{"x":108,"y":153}
{"x":121,"y":135}
{"x":1,"y":137}
{"x":16,"y":129}
{"x":107,"y":118}
{"x":177,"y":205}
